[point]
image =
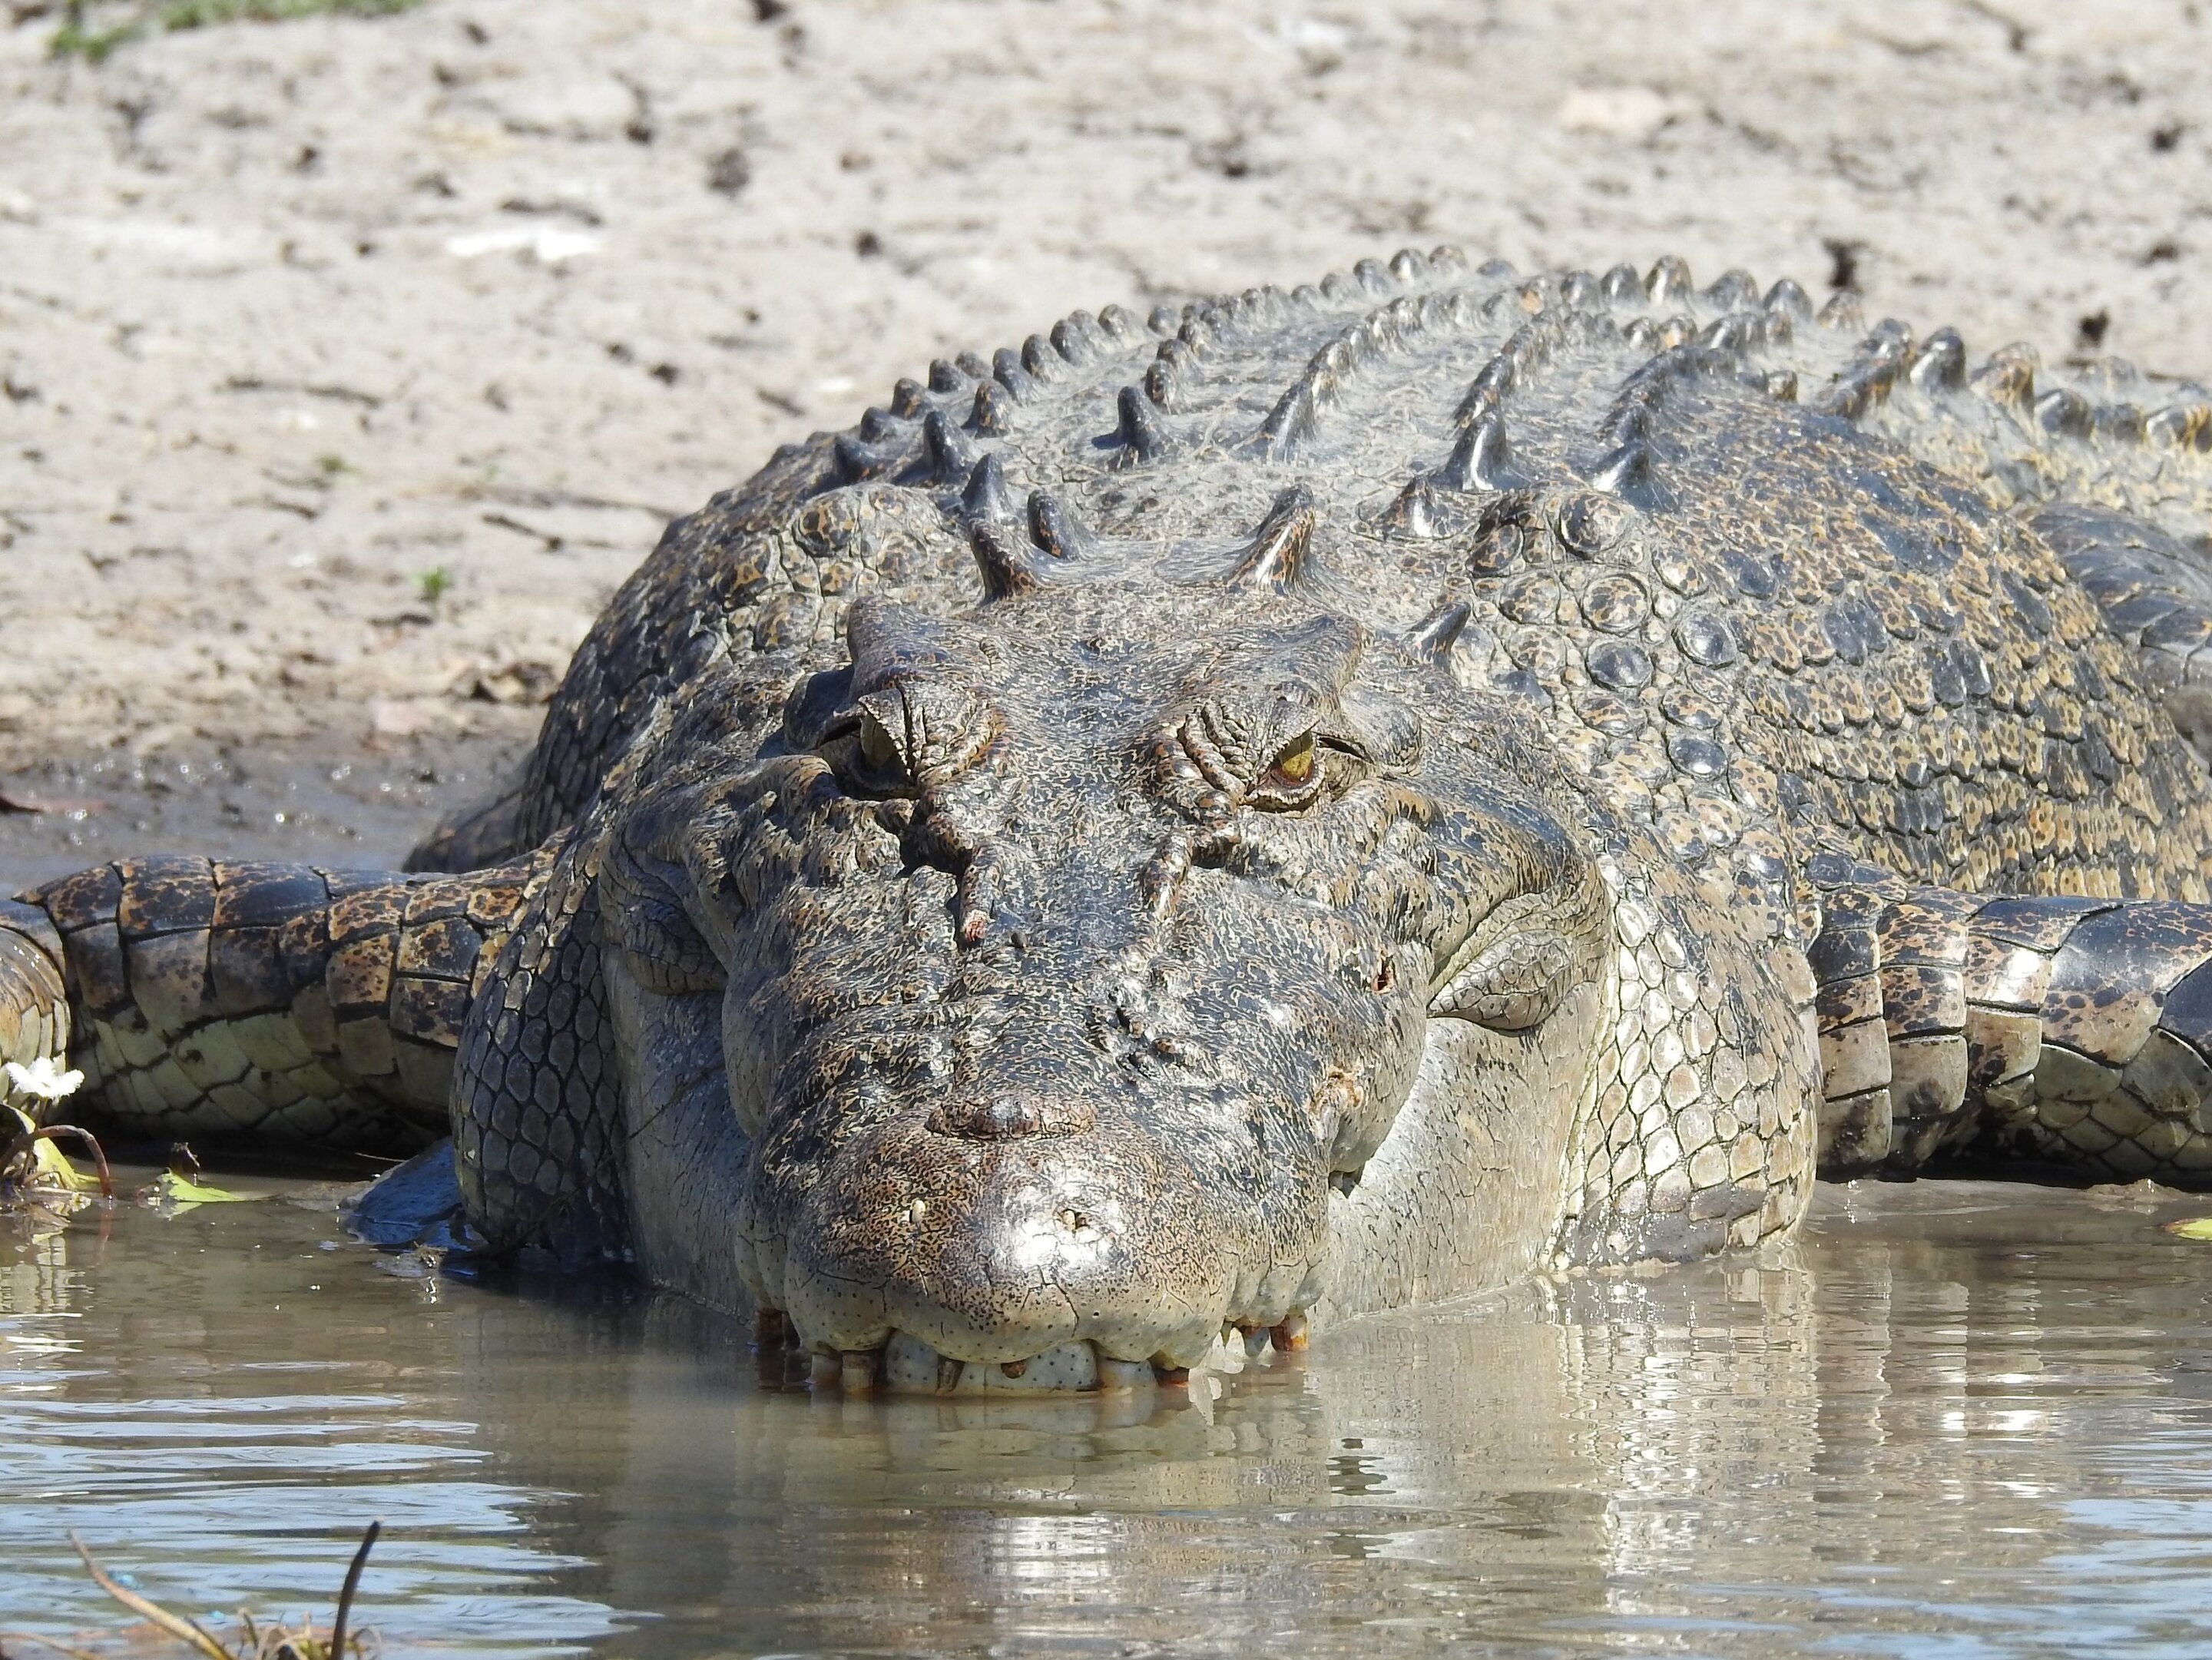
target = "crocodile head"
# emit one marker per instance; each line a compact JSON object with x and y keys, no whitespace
{"x":1074,"y":981}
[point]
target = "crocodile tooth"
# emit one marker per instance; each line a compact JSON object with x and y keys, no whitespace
{"x":1121,"y":1376}
{"x":948,"y":1374}
{"x":861,"y":1371}
{"x":1290,"y":1332}
{"x":825,"y":1370}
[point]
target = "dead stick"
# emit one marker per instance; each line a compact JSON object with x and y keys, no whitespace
{"x":352,"y":1585}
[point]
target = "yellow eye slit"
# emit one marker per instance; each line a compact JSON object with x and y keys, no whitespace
{"x":1296,"y":764}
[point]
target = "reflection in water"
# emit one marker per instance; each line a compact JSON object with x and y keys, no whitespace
{"x":1967,"y":1418}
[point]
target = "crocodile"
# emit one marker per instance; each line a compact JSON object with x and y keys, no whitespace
{"x":1197,"y":827}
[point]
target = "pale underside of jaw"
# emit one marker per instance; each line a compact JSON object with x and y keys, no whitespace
{"x":907,"y":1366}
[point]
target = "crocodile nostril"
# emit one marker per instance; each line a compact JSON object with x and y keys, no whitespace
{"x":1010,"y":1117}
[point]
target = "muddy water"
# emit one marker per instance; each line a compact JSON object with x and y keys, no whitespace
{"x":1954,"y":1420}
{"x":1971,"y":1420}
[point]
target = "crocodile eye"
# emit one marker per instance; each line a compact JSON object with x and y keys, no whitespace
{"x":1294,"y":766}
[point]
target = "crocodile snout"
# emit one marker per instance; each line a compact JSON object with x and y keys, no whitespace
{"x":1059,"y":1257}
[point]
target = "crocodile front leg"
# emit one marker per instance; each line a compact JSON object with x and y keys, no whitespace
{"x":2063,"y":1029}
{"x":255,"y":1003}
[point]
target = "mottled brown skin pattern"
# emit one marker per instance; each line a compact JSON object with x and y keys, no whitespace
{"x":1314,"y":802}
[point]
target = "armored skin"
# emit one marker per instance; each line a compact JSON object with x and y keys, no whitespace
{"x":1319,"y":800}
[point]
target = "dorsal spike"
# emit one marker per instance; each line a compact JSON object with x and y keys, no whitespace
{"x":1787,"y":298}
{"x":1139,"y":435}
{"x":987,"y":498}
{"x":1277,"y":555}
{"x":2009,"y":376}
{"x":1626,"y":473}
{"x":858,"y":459}
{"x":994,"y":408}
{"x":1057,"y":531}
{"x":1482,"y":460}
{"x":1941,"y":364}
{"x":1416,"y":514}
{"x":1669,"y":283}
{"x":1732,"y":291}
{"x":948,"y":453}
{"x":1040,"y":359}
{"x":1008,"y":568}
{"x":1434,"y":637}
{"x":946,"y":377}
{"x":1075,"y":337}
{"x":1843,"y":311}
{"x":2063,"y":413}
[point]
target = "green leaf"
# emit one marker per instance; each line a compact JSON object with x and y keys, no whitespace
{"x":2191,"y":1227}
{"x":181,"y":1191}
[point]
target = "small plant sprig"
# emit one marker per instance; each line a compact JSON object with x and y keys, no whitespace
{"x":78,"y":38}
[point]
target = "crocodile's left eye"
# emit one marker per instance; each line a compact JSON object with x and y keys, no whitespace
{"x":1294,"y":768}
{"x":1296,"y":778}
